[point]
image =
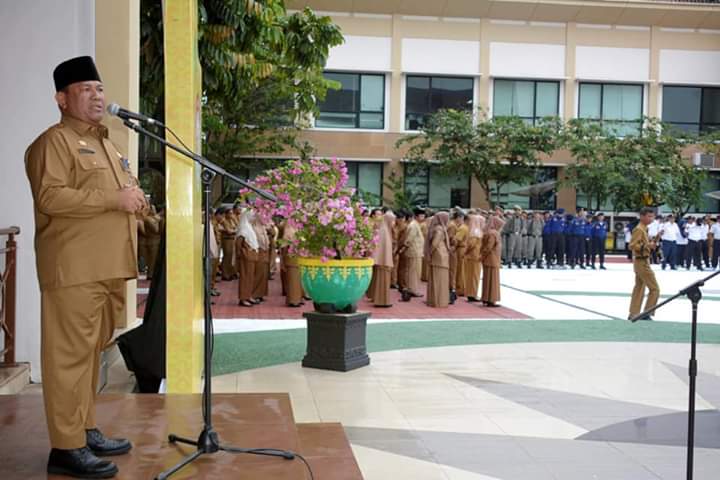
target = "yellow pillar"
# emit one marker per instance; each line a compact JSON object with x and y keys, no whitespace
{"x":184,"y":224}
{"x":117,"y":54}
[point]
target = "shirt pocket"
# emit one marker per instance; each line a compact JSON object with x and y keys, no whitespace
{"x":92,"y":171}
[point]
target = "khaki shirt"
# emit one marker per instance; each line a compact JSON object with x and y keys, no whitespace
{"x":75,"y":175}
{"x":414,"y":241}
{"x":640,"y":243}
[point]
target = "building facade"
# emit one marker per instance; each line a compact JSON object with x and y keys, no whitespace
{"x":610,"y":61}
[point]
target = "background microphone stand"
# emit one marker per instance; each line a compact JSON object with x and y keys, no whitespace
{"x":209,"y":442}
{"x":693,"y":293}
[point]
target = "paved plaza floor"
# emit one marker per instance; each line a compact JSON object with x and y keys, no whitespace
{"x":557,"y":385}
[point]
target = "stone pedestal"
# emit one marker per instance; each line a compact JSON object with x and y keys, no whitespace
{"x":336,"y":341}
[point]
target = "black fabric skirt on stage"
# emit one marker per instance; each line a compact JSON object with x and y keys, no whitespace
{"x":143,"y":348}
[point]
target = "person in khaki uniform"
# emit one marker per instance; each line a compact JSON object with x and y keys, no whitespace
{"x":641,"y":246}
{"x":461,"y":240}
{"x":423,"y":221}
{"x":153,"y":232}
{"x":451,"y":231}
{"x":413,"y":253}
{"x":247,"y":249}
{"x":472,"y":266}
{"x":398,"y":234}
{"x":289,"y":269}
{"x":383,"y":262}
{"x":437,"y":251}
{"x":85,"y":201}
{"x":490,"y":252}
{"x":228,"y":227}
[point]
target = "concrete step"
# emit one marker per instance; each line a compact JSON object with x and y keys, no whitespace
{"x":14,"y":379}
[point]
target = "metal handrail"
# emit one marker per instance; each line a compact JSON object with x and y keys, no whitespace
{"x":8,"y":295}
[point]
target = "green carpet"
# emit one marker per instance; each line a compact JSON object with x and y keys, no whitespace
{"x":235,"y":352}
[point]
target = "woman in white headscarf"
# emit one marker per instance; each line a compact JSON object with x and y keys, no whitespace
{"x":491,"y":253}
{"x":246,"y":248}
{"x":437,"y":253}
{"x":472,"y":265}
{"x":383,"y":266}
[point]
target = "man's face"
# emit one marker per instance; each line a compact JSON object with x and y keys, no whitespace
{"x":647,"y":219}
{"x":83,"y":100}
{"x":420,"y":217}
{"x":601,"y":218}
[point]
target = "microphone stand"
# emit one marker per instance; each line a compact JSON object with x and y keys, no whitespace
{"x":209,"y":441}
{"x":693,"y":293}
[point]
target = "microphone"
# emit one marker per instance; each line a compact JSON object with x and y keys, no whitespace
{"x":117,"y":111}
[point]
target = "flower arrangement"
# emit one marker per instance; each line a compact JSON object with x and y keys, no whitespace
{"x":313,"y":197}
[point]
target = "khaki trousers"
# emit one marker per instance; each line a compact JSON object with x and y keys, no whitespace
{"x":77,"y":324}
{"x":644,"y":277}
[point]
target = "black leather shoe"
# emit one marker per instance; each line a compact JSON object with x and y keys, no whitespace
{"x":79,"y":463}
{"x":106,"y":447}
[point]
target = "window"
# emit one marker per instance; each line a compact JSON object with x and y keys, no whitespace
{"x":527,"y":99}
{"x":359,"y":103}
{"x":426,"y":95}
{"x":534,"y":195}
{"x":692,"y":109}
{"x":427,"y":187}
{"x":367,"y":180}
{"x":618,"y":107}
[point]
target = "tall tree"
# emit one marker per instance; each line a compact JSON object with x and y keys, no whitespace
{"x":262,"y":73}
{"x":590,"y":171}
{"x":495,"y":152}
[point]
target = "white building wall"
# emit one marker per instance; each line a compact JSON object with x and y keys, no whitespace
{"x":527,"y":60}
{"x":362,"y":54}
{"x":690,"y":67}
{"x":36,"y":36}
{"x":613,"y":64}
{"x":450,"y":57}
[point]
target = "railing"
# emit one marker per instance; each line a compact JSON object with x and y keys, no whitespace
{"x":7,"y":295}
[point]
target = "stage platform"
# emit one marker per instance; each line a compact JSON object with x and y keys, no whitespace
{"x":242,"y":420}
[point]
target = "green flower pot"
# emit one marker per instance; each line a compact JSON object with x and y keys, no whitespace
{"x":340,"y":283}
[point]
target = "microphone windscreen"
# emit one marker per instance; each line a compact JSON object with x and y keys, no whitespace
{"x":113,"y":109}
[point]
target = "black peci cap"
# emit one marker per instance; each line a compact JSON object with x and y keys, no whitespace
{"x":78,"y":69}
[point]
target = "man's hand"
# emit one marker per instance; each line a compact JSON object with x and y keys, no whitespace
{"x":131,"y":199}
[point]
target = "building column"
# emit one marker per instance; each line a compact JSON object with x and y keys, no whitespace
{"x":117,"y":54}
{"x":653,"y":109}
{"x":183,"y":216}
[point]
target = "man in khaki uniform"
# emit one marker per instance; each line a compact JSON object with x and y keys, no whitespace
{"x":413,"y":254}
{"x":85,"y":241}
{"x":642,"y":247}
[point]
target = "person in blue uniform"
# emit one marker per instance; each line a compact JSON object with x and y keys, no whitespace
{"x":557,"y":238}
{"x":598,"y":237}
{"x":577,"y":242}
{"x":588,"y":239}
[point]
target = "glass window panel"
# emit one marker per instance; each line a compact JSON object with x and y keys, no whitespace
{"x":343,"y":100}
{"x":547,"y":97}
{"x":372,"y":120}
{"x":632,"y":100}
{"x":447,"y":190}
{"x":416,"y":184}
{"x":335,"y":120}
{"x":503,"y":98}
{"x":370,"y":179}
{"x":372,"y":95}
{"x":415,"y":121}
{"x":590,"y":99}
{"x":678,"y":128}
{"x":417,"y":96}
{"x":454,"y":93}
{"x":352,"y":168}
{"x":711,"y":105}
{"x":524,"y":99}
{"x":511,"y":194}
{"x":681,"y":104}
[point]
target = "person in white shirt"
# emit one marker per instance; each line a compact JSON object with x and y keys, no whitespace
{"x":695,"y":237}
{"x":653,"y":230}
{"x":715,"y":230}
{"x":669,"y":233}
